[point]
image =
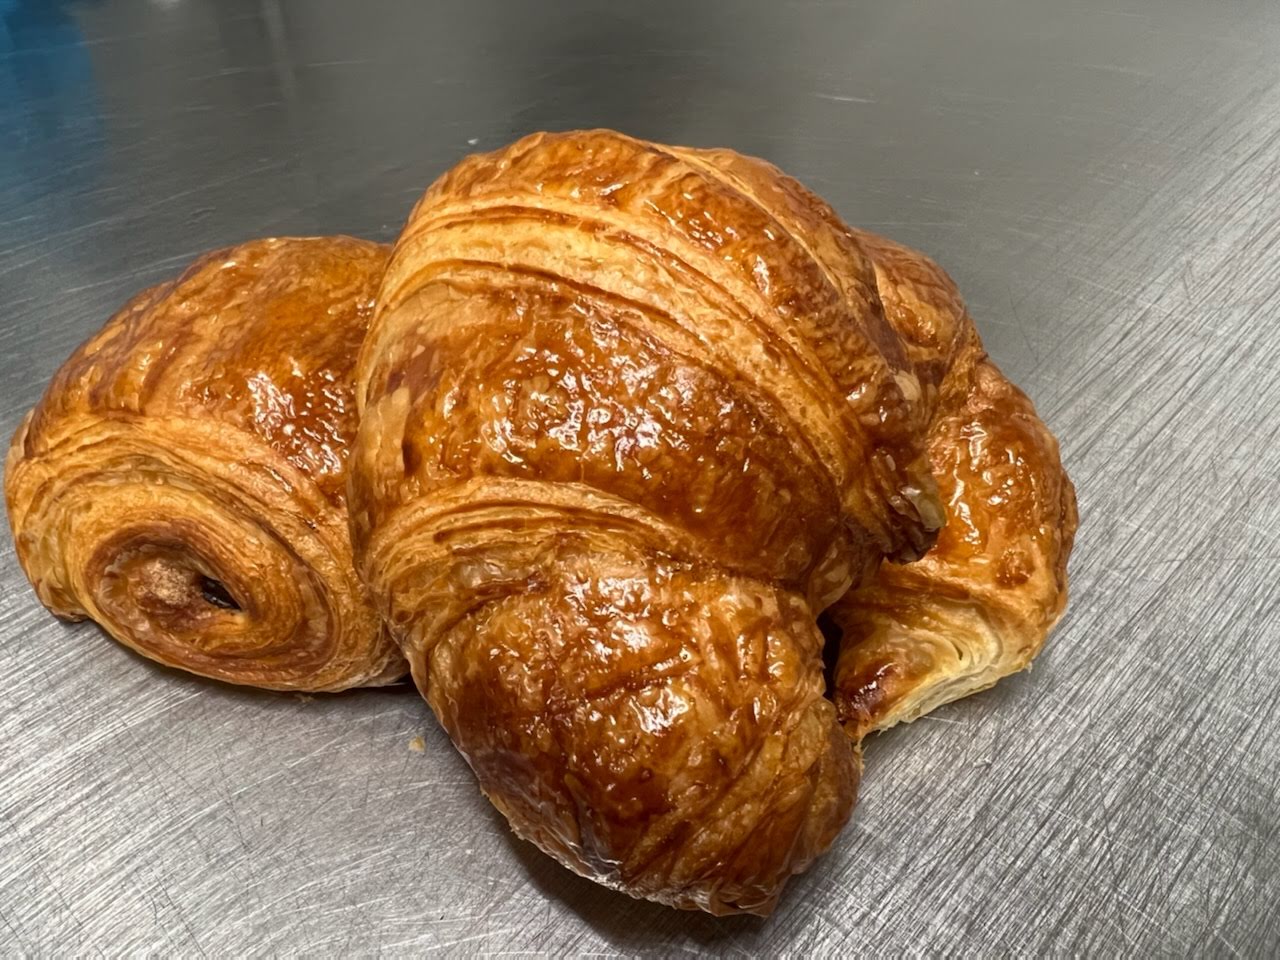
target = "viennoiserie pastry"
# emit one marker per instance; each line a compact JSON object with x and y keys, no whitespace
{"x":632,"y":417}
{"x":183,"y":480}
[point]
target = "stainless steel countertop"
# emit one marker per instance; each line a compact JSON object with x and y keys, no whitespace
{"x":1101,"y":178}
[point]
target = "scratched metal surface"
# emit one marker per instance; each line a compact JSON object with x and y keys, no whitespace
{"x":1100,"y":177}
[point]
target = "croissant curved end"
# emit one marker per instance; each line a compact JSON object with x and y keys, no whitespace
{"x":696,"y":763}
{"x":981,"y":603}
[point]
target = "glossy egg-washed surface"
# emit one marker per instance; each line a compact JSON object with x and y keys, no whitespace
{"x":182,"y":482}
{"x":632,"y":416}
{"x":980,"y":604}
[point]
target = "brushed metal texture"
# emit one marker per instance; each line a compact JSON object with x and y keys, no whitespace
{"x":1101,"y":180}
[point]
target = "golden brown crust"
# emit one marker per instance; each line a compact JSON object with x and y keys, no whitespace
{"x":980,"y":604}
{"x":182,"y":481}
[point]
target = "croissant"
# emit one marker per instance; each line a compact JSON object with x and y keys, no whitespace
{"x":632,"y":416}
{"x":980,"y":604}
{"x":182,"y":482}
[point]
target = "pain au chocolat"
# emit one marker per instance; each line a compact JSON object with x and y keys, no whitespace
{"x":183,"y":480}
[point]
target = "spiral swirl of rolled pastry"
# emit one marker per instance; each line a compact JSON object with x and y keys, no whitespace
{"x":182,"y":482}
{"x":631,"y":416}
{"x":979,"y":605}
